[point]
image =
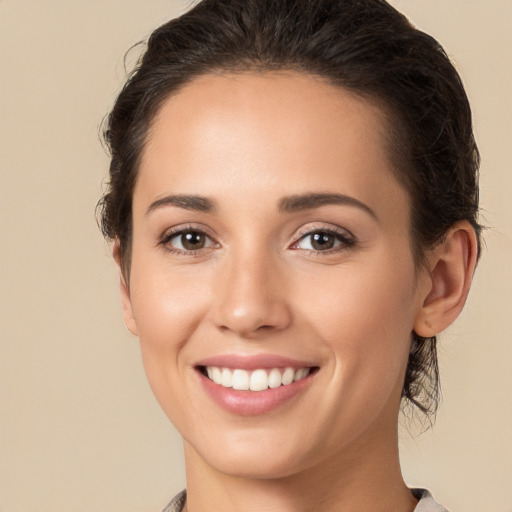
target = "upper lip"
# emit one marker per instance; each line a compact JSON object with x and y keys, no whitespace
{"x":253,"y":362}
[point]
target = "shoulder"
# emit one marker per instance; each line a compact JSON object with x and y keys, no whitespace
{"x":177,"y":503}
{"x":426,"y":502}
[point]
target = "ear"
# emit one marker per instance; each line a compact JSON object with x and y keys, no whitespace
{"x":124,"y":287}
{"x":451,"y":265}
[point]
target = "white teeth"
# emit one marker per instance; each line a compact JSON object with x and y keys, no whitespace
{"x":274,"y":378}
{"x":287,"y":377}
{"x":217,"y":375}
{"x":257,"y":380}
{"x":241,"y":380}
{"x":227,"y":378}
{"x":298,"y":375}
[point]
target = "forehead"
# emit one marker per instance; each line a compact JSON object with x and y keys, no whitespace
{"x":275,"y":132}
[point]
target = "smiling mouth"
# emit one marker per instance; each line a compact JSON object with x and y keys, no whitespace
{"x":255,"y":380}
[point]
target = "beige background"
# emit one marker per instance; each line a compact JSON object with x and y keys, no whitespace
{"x":79,"y":428}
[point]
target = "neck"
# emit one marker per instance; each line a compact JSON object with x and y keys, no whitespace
{"x":364,"y":477}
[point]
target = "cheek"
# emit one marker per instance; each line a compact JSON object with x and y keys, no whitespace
{"x":167,"y":308}
{"x":167,"y":304}
{"x":364,"y":314}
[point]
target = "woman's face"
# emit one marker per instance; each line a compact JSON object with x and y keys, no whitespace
{"x":271,"y":242}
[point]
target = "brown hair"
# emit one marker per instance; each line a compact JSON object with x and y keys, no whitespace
{"x":365,"y":46}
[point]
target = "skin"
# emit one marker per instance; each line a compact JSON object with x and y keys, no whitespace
{"x":245,"y":142}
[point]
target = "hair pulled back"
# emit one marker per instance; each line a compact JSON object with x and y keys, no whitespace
{"x":364,"y":46}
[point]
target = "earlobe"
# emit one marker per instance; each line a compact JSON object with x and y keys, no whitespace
{"x":451,"y":265}
{"x":126,"y":302}
{"x":124,"y":289}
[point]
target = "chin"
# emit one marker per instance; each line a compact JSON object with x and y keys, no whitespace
{"x":256,"y":467}
{"x":252,"y":458}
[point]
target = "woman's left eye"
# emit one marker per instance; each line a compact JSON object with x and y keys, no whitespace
{"x":323,"y":241}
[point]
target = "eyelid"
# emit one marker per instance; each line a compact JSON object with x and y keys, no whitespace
{"x":346,"y":238}
{"x":174,"y":231}
{"x":328,"y":228}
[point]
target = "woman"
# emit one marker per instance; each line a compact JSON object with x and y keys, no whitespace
{"x":293,"y":206}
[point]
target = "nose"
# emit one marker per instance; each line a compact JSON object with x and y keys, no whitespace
{"x":250,"y":297}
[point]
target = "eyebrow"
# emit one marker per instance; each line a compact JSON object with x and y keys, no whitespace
{"x":187,"y":202}
{"x":287,"y":204}
{"x":316,"y":200}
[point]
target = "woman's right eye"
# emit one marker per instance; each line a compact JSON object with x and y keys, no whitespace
{"x":187,"y":241}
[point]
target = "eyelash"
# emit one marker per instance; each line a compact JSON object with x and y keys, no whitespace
{"x":174,"y":233}
{"x":345,"y":239}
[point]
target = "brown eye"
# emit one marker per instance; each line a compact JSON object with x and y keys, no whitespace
{"x":192,"y":240}
{"x":186,"y":241}
{"x":324,"y":241}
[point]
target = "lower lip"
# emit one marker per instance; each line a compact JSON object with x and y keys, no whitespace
{"x":250,"y":403}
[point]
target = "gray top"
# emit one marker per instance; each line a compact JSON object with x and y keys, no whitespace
{"x":426,"y":502}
